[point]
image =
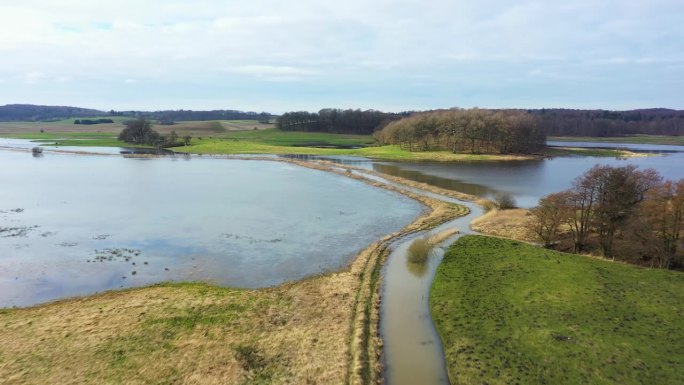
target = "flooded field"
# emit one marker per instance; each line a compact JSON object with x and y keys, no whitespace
{"x":75,"y":225}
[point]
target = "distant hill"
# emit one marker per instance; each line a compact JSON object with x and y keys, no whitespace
{"x":185,"y":115}
{"x":30,"y":112}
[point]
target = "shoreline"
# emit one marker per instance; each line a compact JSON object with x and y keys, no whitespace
{"x":364,"y":345}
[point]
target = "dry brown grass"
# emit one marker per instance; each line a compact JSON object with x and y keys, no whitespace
{"x":320,"y":330}
{"x":513,"y":224}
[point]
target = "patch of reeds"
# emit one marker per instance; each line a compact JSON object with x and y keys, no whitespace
{"x":419,"y":250}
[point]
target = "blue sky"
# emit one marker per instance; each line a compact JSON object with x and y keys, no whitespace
{"x":305,"y":55}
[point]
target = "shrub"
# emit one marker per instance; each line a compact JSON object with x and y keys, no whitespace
{"x":505,"y":201}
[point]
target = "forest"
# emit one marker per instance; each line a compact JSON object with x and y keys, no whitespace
{"x":620,"y":212}
{"x":474,"y":131}
{"x":554,"y":122}
{"x":337,"y":121}
{"x":602,"y":123}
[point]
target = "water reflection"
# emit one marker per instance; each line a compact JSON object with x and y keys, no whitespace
{"x":74,"y":225}
{"x":526,"y":181}
{"x":417,"y":269}
{"x":339,"y":159}
{"x":434,"y":180}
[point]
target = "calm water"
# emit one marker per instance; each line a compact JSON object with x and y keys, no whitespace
{"x":412,"y":347}
{"x":27,"y":144}
{"x":528,"y":181}
{"x":75,"y":225}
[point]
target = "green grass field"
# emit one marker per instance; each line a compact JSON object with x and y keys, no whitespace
{"x":510,"y":313}
{"x":248,"y":146}
{"x":276,"y":137}
{"x":642,"y":139}
{"x":582,"y":151}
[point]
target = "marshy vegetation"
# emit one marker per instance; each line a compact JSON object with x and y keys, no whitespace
{"x":419,"y":250}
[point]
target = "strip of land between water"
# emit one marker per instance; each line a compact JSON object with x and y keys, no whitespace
{"x":322,"y":328}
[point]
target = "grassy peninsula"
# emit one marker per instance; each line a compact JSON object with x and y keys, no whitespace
{"x":639,"y":139}
{"x":511,"y":313}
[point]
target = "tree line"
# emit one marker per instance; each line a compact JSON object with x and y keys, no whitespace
{"x":92,"y":121}
{"x":601,"y":123}
{"x":474,"y":130}
{"x":337,"y":121}
{"x":622,"y":212}
{"x":189,"y":115}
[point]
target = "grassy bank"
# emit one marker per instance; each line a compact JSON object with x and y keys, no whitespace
{"x":509,"y":313}
{"x":181,"y":333}
{"x":641,"y":139}
{"x":375,"y":152}
{"x":596,"y":152}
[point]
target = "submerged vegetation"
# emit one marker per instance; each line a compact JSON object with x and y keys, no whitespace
{"x":419,"y":250}
{"x":510,"y":313}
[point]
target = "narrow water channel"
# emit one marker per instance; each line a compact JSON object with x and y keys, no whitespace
{"x":412,"y":347}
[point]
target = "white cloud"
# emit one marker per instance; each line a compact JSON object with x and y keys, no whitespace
{"x":34,"y":77}
{"x":336,"y":46}
{"x":274,"y":73}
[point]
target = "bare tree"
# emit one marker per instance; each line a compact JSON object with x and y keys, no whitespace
{"x":548,"y":217}
{"x":619,"y":191}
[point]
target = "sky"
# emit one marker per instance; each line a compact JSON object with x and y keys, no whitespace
{"x":276,"y":56}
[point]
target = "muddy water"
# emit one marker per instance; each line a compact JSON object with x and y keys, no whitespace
{"x":412,"y":347}
{"x":75,"y":225}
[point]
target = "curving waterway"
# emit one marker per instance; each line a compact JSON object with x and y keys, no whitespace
{"x":412,"y":348}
